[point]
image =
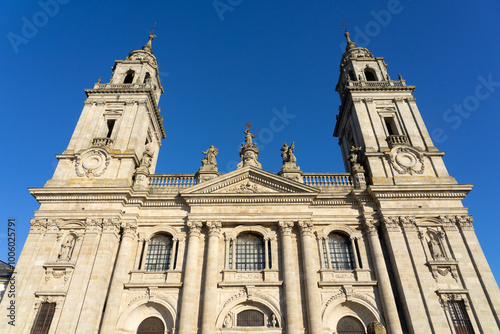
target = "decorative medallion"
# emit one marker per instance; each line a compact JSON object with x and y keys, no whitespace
{"x":92,"y":162}
{"x":406,"y":160}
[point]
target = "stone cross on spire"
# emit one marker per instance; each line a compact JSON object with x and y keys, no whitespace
{"x":147,"y":47}
{"x":350,"y":44}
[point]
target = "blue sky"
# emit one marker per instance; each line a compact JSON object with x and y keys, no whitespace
{"x":230,"y":62}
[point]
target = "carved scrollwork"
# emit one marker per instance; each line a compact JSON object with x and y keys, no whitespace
{"x":406,"y":160}
{"x":93,"y":162}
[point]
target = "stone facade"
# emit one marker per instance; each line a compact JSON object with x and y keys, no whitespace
{"x":115,"y":248}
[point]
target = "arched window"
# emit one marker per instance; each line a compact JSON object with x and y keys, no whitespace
{"x":340,"y":249}
{"x":151,"y":325}
{"x":159,"y":253}
{"x":370,"y":75}
{"x":129,"y":77}
{"x":250,"y":318}
{"x":249,"y":252}
{"x":350,"y":325}
{"x":146,"y":77}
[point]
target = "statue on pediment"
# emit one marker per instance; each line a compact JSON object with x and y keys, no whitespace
{"x":209,"y":162}
{"x":248,"y":152}
{"x":210,"y":156}
{"x":287,"y":153}
{"x":248,"y":139}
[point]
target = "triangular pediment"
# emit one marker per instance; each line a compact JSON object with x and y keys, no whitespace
{"x":250,"y":180}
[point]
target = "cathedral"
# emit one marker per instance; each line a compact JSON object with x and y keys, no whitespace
{"x":385,"y":247}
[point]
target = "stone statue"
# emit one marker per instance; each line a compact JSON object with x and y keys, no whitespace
{"x":353,"y":156}
{"x":400,"y":77}
{"x":248,"y":139}
{"x":288,"y":153}
{"x":248,"y":152}
{"x":99,"y":80}
{"x":209,"y":159}
{"x":435,"y":248}
{"x":249,"y":158}
{"x":228,"y":321}
{"x":274,"y":322}
{"x":146,"y":161}
{"x":66,"y":249}
{"x":375,"y":327}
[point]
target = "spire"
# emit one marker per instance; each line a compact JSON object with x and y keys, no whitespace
{"x":350,"y":44}
{"x":147,"y":47}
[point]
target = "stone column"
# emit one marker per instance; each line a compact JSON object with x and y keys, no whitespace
{"x":355,"y":253}
{"x":291,"y":278}
{"x":266,"y":253}
{"x":180,"y":253}
{"x":311,"y":278}
{"x":210,"y":287}
{"x":142,"y":266}
{"x":188,"y":301}
{"x":100,"y":276}
{"x":384,"y":284}
{"x":119,"y":276}
{"x":227,"y":241}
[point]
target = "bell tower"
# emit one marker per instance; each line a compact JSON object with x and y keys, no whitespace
{"x":120,"y":122}
{"x":379,"y":119}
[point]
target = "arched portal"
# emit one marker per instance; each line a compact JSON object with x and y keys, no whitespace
{"x":350,"y":325}
{"x":151,"y":325}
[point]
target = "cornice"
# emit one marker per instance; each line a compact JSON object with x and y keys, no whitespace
{"x":67,"y":194}
{"x":274,"y":198}
{"x":443,"y":191}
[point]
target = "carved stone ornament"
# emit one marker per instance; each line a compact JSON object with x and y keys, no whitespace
{"x":406,"y":160}
{"x":289,"y":159}
{"x":92,"y":162}
{"x":247,"y":188}
{"x":249,"y":153}
{"x":146,"y":161}
{"x":209,"y":162}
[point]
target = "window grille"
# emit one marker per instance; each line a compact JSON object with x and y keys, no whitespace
{"x":350,"y":325}
{"x":151,"y":325}
{"x":44,"y":318}
{"x":341,"y":254}
{"x":459,"y":317}
{"x":249,"y":252}
{"x":159,"y":253}
{"x":250,"y":318}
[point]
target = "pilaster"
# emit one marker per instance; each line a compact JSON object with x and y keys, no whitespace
{"x":190,"y":298}
{"x":393,"y":323}
{"x":120,"y":272}
{"x":291,"y":278}
{"x":311,"y":278}
{"x":210,"y":287}
{"x":409,"y":289}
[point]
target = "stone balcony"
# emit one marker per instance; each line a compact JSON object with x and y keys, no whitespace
{"x":102,"y":142}
{"x":394,"y":140}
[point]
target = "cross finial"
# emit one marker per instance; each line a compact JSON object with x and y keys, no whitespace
{"x":344,"y":25}
{"x":153,"y":30}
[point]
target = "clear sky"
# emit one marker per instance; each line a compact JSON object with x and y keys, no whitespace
{"x":225,"y":63}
